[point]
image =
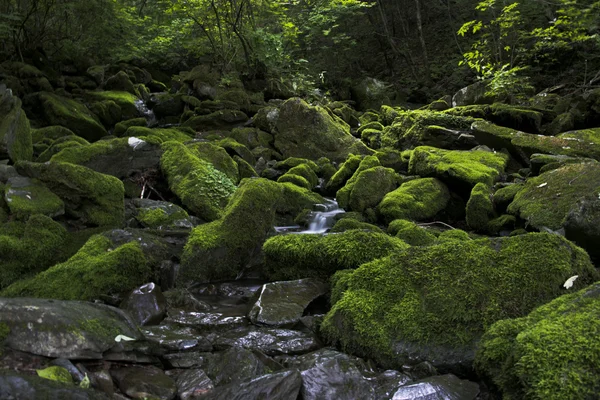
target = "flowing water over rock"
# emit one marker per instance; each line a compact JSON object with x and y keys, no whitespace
{"x":146,"y":112}
{"x":320,"y":220}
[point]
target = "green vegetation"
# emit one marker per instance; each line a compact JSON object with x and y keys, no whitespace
{"x":479,"y":207}
{"x":411,"y":233}
{"x":418,"y":200}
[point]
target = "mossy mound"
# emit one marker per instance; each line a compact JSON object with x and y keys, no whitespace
{"x":434,"y":303}
{"x":50,"y":133}
{"x":60,"y":144}
{"x":15,"y":132}
{"x":297,"y":180}
{"x":505,"y":195}
{"x":368,"y":189}
{"x":553,"y":353}
{"x":202,"y":188}
{"x":122,"y":126}
{"x":160,"y":135}
{"x":345,"y":172}
{"x":27,"y":248}
{"x":222,"y":119}
{"x":71,"y":114}
{"x":546,"y":200}
{"x":252,"y":137}
{"x":502,"y":223}
{"x":218,"y":157}
{"x":95,"y":198}
{"x":223,"y":248}
{"x":454,"y":235}
{"x":26,"y":197}
{"x":346,"y":224}
{"x":520,"y":118}
{"x":411,"y":233}
{"x":409,"y":129}
{"x":161,"y":215}
{"x":306,"y":131}
{"x":343,"y":194}
{"x":234,"y":148}
{"x":479,"y":207}
{"x":418,"y":200}
{"x":98,"y":268}
{"x":120,"y":82}
{"x":107,"y":111}
{"x":300,"y":256}
{"x":458,"y":169}
{"x":116,"y":157}
{"x":124,"y":100}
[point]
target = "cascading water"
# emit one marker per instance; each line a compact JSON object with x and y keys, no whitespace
{"x":320,"y":221}
{"x":146,"y":112}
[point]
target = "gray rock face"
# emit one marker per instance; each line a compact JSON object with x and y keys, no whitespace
{"x":175,"y":338}
{"x":15,"y":132}
{"x":442,"y":387}
{"x":145,"y":382}
{"x":280,"y":386}
{"x":206,"y":321}
{"x":146,"y":304}
{"x":192,"y":384}
{"x":283,"y":303}
{"x":268,"y":340}
{"x":67,"y":329}
{"x":27,"y":387}
{"x":472,"y":94}
{"x":26,"y":197}
{"x":582,"y":224}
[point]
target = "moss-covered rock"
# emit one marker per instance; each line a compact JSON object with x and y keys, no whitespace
{"x":60,"y":144}
{"x":50,"y":133}
{"x":234,"y":148}
{"x":418,"y":200}
{"x":56,"y":373}
{"x":120,"y":82}
{"x":434,"y":303}
{"x":218,"y":157}
{"x":252,"y":137}
{"x":92,"y":197}
{"x":294,"y":179}
{"x":71,"y":114}
{"x":305,"y":171}
{"x":202,"y":188}
{"x":122,"y":126}
{"x":305,"y":131}
{"x":545,"y":200}
{"x":553,"y":353}
{"x":245,"y":170}
{"x":26,"y":197}
{"x":505,"y":195}
{"x":160,"y":135}
{"x":345,"y":172}
{"x":502,"y":223}
{"x":479,"y":207}
{"x":15,"y":132}
{"x":292,"y":162}
{"x":124,"y":100}
{"x":411,"y":233}
{"x":410,"y":129}
{"x":223,"y":248}
{"x":461,"y":170}
{"x":107,"y":111}
{"x":520,"y":118}
{"x":161,"y":215}
{"x":222,"y":119}
{"x":319,"y":256}
{"x":98,"y":268}
{"x":346,"y":224}
{"x":368,"y":189}
{"x":30,"y":247}
{"x":343,"y":194}
{"x":452,"y":235}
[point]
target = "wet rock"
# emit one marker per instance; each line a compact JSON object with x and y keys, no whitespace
{"x":176,"y":338}
{"x":146,"y":304}
{"x":283,"y":303}
{"x":192,"y":384}
{"x":102,"y":381}
{"x":15,"y":132}
{"x":472,"y":94}
{"x":140,"y":383}
{"x":218,"y":120}
{"x":134,"y":351}
{"x":442,"y":387}
{"x":582,"y":224}
{"x":388,"y":382}
{"x":26,"y":387}
{"x":191,"y":359}
{"x":162,"y":215}
{"x":206,"y":321}
{"x":76,"y":374}
{"x":280,"y":386}
{"x":270,"y":341}
{"x":233,"y":365}
{"x":68,"y":329}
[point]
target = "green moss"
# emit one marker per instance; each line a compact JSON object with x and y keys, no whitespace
{"x":411,"y":233}
{"x":370,"y":187}
{"x":15,"y":131}
{"x":367,"y":117}
{"x":107,"y":111}
{"x":202,"y":188}
{"x":479,"y":207}
{"x":218,"y":157}
{"x":300,"y":256}
{"x":27,"y":248}
{"x":160,"y":135}
{"x":71,"y":114}
{"x":339,"y":284}
{"x":50,"y":133}
{"x":245,"y":170}
{"x":449,"y":294}
{"x":326,"y":168}
{"x":95,"y":198}
{"x":4,"y":332}
{"x":155,"y":217}
{"x":458,"y":168}
{"x":502,"y":223}
{"x":296,"y":199}
{"x":545,"y":200}
{"x":222,"y":119}
{"x":97,"y":269}
{"x":59,"y":145}
{"x":26,"y":197}
{"x":505,"y":195}
{"x":418,"y":200}
{"x":347,"y":169}
{"x":371,"y":138}
{"x":55,"y":373}
{"x":81,"y":155}
{"x":346,"y":224}
{"x":122,"y":127}
{"x":251,"y":137}
{"x":222,"y":248}
{"x":296,"y":180}
{"x":390,"y":158}
{"x":453,"y":235}
{"x":375,"y":125}
{"x":409,"y":129}
{"x":234,"y":148}
{"x":553,"y":353}
{"x":305,"y":171}
{"x":524,"y":119}
{"x":343,"y":194}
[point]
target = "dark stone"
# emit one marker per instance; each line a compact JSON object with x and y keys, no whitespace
{"x":193,"y":383}
{"x":146,"y":304}
{"x":582,"y":224}
{"x":441,"y":387}
{"x":176,"y":338}
{"x":192,"y":359}
{"x":233,"y":365}
{"x":206,"y":321}
{"x":280,"y":386}
{"x":27,"y":387}
{"x":270,"y":341}
{"x":140,"y":383}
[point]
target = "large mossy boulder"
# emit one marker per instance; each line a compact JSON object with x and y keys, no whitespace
{"x":120,"y":157}
{"x":320,"y":256}
{"x":218,"y":157}
{"x":29,"y":247}
{"x":15,"y":132}
{"x":370,"y":187}
{"x":434,"y":303}
{"x":58,"y":110}
{"x":345,"y":172}
{"x":222,"y":119}
{"x":460,"y":170}
{"x":124,"y":100}
{"x":26,"y":197}
{"x":553,"y":353}
{"x":103,"y":266}
{"x":223,"y":248}
{"x":480,"y":209}
{"x":92,"y":197}
{"x":305,"y":131}
{"x":202,"y":188}
{"x":417,"y":200}
{"x":523,"y":119}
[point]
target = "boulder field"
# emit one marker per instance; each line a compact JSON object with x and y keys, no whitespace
{"x":162,"y":243}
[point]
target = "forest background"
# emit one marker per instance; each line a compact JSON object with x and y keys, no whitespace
{"x":418,"y":50}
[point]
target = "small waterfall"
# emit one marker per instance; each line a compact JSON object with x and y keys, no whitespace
{"x":146,"y":112}
{"x":322,"y":220}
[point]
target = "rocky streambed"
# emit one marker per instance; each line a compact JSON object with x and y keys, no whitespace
{"x":176,"y":242}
